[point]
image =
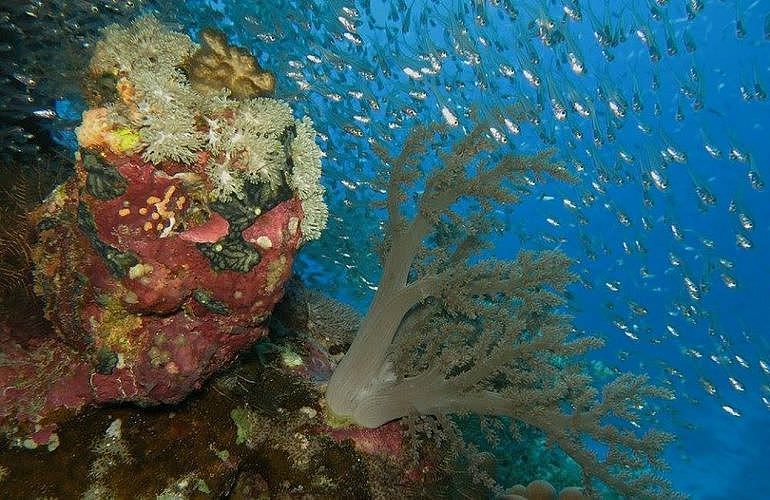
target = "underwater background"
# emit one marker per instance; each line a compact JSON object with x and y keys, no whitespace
{"x":658,"y":107}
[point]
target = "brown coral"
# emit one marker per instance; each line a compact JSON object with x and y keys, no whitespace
{"x":542,"y":490}
{"x":217,"y":65}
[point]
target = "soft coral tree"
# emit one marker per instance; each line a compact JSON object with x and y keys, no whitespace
{"x":452,"y":332}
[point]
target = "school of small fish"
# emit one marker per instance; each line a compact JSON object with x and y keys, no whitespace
{"x":641,"y":100}
{"x":660,"y":108}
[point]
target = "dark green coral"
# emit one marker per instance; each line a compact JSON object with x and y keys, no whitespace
{"x":118,"y":262}
{"x":231,"y":253}
{"x":106,"y":361}
{"x":207,"y":300}
{"x":257,"y":199}
{"x":103,"y":181}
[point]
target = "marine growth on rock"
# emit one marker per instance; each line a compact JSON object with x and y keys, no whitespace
{"x":162,"y":257}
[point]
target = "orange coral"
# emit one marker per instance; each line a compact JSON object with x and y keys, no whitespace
{"x":126,"y":90}
{"x":94,"y":129}
{"x":217,"y":65}
{"x":98,"y":131}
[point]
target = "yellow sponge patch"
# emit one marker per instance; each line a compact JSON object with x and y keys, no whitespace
{"x":124,"y":139}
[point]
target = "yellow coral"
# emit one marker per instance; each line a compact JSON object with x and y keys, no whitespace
{"x":275,"y":272}
{"x":96,"y":131}
{"x":124,"y":139}
{"x":217,"y":65}
{"x":139,"y":270}
{"x":115,"y":326}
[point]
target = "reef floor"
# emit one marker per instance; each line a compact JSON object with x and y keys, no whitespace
{"x":256,"y":430}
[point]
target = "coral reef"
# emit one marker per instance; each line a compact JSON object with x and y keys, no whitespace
{"x":256,"y":431}
{"x":450,"y":332}
{"x":162,"y":257}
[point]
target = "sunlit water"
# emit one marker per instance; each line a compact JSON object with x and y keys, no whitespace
{"x":659,"y":108}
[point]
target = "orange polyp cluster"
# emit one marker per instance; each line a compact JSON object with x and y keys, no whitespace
{"x":158,"y":216}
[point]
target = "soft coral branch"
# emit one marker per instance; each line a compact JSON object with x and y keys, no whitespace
{"x":449,"y":332}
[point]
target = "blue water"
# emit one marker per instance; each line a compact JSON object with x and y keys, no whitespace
{"x":347,"y":65}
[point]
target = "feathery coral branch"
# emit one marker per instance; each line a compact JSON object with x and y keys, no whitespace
{"x":450,"y":333}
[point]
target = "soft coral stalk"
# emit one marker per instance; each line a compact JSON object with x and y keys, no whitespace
{"x":449,"y":332}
